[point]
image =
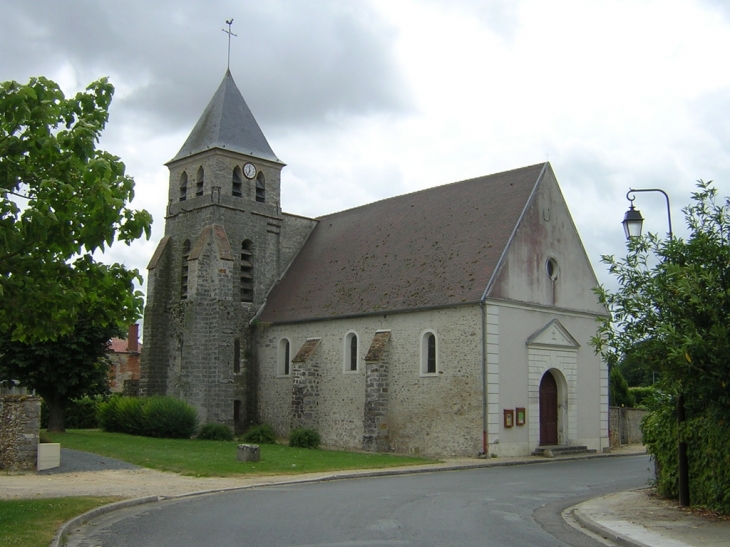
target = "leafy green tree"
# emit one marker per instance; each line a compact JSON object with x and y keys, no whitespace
{"x":672,"y":308}
{"x":636,"y":372}
{"x":62,"y":200}
{"x":671,"y":312}
{"x":618,"y":389}
{"x":73,"y":365}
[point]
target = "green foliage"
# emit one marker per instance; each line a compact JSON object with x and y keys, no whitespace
{"x":642,"y":395}
{"x":80,"y":413}
{"x":62,"y":200}
{"x":70,"y":367}
{"x":260,"y":434}
{"x":672,"y":308}
{"x":122,"y":415}
{"x":215,"y":432}
{"x":169,"y":418}
{"x":671,"y":313}
{"x":304,"y":438}
{"x":34,"y":522}
{"x":165,"y":417}
{"x":618,"y":389}
{"x":218,"y":458}
{"x":708,"y":454}
{"x":636,"y":372}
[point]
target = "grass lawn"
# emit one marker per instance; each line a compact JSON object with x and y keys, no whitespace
{"x":218,"y":458}
{"x":32,"y":523}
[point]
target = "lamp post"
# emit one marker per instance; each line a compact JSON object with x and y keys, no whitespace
{"x":633,"y":222}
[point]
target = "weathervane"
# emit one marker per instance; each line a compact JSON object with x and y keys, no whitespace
{"x":229,"y":22}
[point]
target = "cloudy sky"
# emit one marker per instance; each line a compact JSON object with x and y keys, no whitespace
{"x":366,"y":99}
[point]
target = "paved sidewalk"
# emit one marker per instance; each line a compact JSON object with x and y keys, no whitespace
{"x":640,"y":518}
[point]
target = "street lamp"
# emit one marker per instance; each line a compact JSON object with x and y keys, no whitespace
{"x":633,"y":222}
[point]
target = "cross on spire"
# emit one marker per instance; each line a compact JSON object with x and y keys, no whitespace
{"x":229,"y":22}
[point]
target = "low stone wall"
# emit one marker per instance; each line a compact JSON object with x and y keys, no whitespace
{"x":625,"y":425}
{"x":20,"y":417}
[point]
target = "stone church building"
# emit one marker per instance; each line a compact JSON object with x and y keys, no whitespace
{"x":450,"y":321}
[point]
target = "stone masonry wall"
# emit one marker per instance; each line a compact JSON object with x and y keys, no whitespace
{"x":436,"y":414}
{"x":19,"y":426}
{"x":375,"y":437}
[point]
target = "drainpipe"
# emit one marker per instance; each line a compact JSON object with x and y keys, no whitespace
{"x":485,"y":425}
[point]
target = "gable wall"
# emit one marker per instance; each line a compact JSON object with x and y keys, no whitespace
{"x":547,"y":231}
{"x":426,"y":414}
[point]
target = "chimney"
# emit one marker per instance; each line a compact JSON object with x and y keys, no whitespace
{"x":133,"y":338}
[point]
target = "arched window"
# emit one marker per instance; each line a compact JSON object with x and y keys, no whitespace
{"x":247,"y":271}
{"x":184,"y":270}
{"x":429,"y":353}
{"x":237,"y":183}
{"x":200,"y":183}
{"x":283,"y":367}
{"x":183,"y":186}
{"x":260,"y":188}
{"x":351,"y":352}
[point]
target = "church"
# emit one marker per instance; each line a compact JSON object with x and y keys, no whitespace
{"x":452,"y":321}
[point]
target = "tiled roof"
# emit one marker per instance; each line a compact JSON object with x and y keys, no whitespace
{"x":227,"y":123}
{"x":117,"y":345}
{"x":435,"y":247}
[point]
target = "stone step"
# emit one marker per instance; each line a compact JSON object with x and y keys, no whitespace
{"x":557,"y":451}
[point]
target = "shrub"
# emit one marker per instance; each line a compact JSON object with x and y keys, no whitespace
{"x":618,"y":389}
{"x":170,"y":418}
{"x":642,"y":395}
{"x":708,"y":454}
{"x":215,"y":432}
{"x":304,"y":438}
{"x":81,"y":413}
{"x":122,"y":415}
{"x":166,"y":417}
{"x":260,"y":434}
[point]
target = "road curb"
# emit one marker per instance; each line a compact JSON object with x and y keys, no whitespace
{"x":604,"y":532}
{"x":60,"y":538}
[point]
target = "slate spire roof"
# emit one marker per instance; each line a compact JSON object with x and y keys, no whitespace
{"x":432,"y":248}
{"x":227,"y":123}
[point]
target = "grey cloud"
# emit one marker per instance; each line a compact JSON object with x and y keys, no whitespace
{"x":295,"y":62}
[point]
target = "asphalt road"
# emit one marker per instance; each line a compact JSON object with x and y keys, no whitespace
{"x":515,"y":506}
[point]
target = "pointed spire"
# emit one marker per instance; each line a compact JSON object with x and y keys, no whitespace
{"x":227,"y":123}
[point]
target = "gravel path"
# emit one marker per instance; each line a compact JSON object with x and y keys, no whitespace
{"x":76,"y":461}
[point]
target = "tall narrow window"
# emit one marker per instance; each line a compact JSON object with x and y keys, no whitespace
{"x":200,"y":183}
{"x":184,"y":270}
{"x":236,"y":355}
{"x":246,"y":271}
{"x":183,"y":186}
{"x":237,"y":183}
{"x":260,"y":188}
{"x":351,"y":360}
{"x":284,"y":358}
{"x":429,"y":355}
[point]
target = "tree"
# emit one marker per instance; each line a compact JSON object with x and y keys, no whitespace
{"x":69,"y":367}
{"x":618,"y":390}
{"x":62,"y":200}
{"x":672,"y":313}
{"x":672,"y":308}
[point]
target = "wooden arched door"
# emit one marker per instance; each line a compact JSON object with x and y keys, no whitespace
{"x":548,"y":410}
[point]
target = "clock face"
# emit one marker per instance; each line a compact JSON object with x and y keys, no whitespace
{"x":249,"y":170}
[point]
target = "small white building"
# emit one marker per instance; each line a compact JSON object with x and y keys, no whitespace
{"x":450,"y":321}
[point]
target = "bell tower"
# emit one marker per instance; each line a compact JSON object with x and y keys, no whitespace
{"x":219,"y":257}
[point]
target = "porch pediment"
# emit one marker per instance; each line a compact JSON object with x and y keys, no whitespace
{"x":554,"y":334}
